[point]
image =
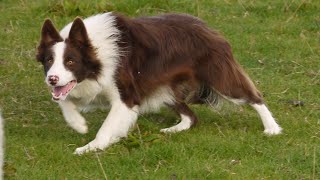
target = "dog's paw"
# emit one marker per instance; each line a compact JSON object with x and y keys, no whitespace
{"x":84,"y":149}
{"x":170,"y":130}
{"x":173,"y":129}
{"x":92,"y":146}
{"x":80,"y":128}
{"x":167,"y":130}
{"x":183,"y":125}
{"x":78,"y":123}
{"x":273,"y":130}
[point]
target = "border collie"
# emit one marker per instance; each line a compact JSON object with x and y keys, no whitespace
{"x":139,"y":65}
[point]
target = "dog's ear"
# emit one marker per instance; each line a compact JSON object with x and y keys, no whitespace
{"x":78,"y":33}
{"x":49,"y":36}
{"x":49,"y":33}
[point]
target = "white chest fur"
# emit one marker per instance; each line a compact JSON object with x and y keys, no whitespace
{"x":89,"y":95}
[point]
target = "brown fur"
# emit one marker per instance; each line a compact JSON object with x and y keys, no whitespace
{"x":179,"y":51}
{"x":49,"y":36}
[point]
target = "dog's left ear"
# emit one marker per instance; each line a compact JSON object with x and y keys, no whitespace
{"x":78,"y":33}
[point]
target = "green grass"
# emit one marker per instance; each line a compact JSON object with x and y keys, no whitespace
{"x":276,"y":41}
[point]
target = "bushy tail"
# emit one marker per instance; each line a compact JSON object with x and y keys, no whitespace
{"x":206,"y":95}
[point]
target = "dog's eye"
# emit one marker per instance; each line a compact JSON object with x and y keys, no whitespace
{"x":70,"y":62}
{"x":50,"y":61}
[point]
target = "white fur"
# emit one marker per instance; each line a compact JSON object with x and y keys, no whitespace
{"x":235,"y":101}
{"x":58,"y":68}
{"x":91,"y":94}
{"x":183,"y":125}
{"x":270,"y":125}
{"x":104,"y":36}
{"x":163,"y":95}
{"x":116,"y":126}
{"x":73,"y":117}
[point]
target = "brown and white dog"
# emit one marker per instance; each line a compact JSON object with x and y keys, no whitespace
{"x":139,"y":65}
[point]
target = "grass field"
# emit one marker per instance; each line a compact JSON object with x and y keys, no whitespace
{"x":277,"y":42}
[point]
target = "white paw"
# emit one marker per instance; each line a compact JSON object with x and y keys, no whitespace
{"x":78,"y":123}
{"x":168,"y":130}
{"x":174,"y":129}
{"x":82,"y":150}
{"x":273,"y":130}
{"x":183,"y":125}
{"x":92,"y":146}
{"x":80,"y":128}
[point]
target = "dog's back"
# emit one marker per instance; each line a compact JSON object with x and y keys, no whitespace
{"x":181,"y":49}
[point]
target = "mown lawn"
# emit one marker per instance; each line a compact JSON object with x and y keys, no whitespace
{"x":277,"y":42}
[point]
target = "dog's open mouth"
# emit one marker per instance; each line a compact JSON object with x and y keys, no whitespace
{"x":61,"y":92}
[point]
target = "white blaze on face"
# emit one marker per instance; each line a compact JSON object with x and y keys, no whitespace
{"x":66,"y":80}
{"x":58,"y":69}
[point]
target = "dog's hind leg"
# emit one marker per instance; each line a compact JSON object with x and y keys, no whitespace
{"x":226,"y":77}
{"x":73,"y":117}
{"x":242,"y":91}
{"x":270,"y":125}
{"x":188,"y":119}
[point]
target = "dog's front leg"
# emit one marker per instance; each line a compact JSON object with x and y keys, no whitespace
{"x":116,"y":126}
{"x":73,"y":117}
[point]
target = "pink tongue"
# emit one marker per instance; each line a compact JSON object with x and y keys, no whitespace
{"x":63,"y":89}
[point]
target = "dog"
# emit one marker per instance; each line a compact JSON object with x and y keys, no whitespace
{"x":138,"y":65}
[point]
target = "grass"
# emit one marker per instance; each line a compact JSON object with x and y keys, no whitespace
{"x":277,"y":42}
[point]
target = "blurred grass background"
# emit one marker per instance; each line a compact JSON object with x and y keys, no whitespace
{"x":277,"y":42}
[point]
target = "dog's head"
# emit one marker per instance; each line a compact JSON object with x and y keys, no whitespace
{"x":67,"y":61}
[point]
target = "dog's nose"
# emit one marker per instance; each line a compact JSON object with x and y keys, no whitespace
{"x":53,"y":80}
